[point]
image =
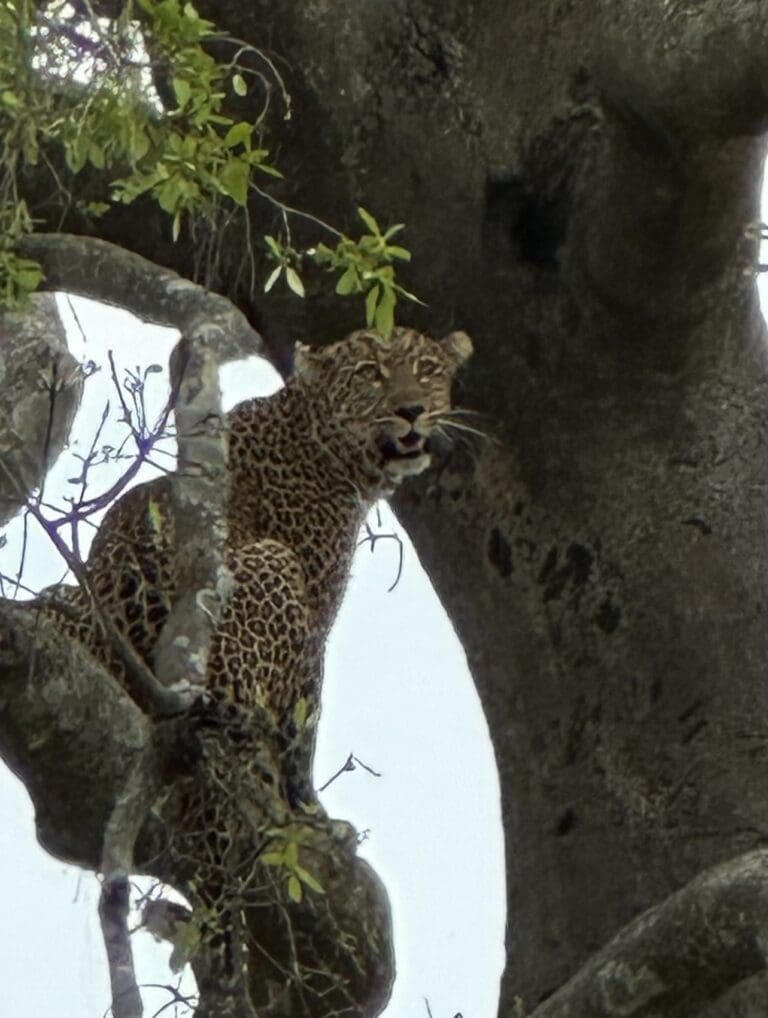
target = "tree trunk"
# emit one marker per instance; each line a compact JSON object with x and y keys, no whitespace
{"x":577,"y":179}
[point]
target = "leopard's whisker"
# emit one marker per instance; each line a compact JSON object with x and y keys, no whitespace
{"x":466,"y":412}
{"x":460,"y":426}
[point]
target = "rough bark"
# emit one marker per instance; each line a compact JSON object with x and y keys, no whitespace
{"x":94,"y":268}
{"x":40,"y":388}
{"x":676,"y":957}
{"x":577,"y":178}
{"x":56,"y":705}
{"x":77,"y":741}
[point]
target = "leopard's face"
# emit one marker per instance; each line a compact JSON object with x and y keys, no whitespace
{"x":390,"y":396}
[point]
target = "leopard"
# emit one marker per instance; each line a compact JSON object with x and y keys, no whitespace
{"x":305,"y":466}
{"x":355,"y":419}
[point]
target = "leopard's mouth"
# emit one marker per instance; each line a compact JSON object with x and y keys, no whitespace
{"x":404,"y":455}
{"x":406,"y":447}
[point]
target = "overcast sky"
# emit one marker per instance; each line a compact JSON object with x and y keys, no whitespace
{"x":397,"y":693}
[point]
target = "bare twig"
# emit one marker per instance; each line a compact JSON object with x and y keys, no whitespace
{"x":373,"y":537}
{"x":429,"y":1010}
{"x":349,"y":765}
{"x":164,"y":701}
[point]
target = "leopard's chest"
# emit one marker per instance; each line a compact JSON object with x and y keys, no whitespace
{"x":314,"y":514}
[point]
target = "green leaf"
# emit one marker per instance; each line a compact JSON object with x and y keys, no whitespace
{"x":294,"y":889}
{"x":349,"y":282}
{"x":24,"y":264}
{"x":384,"y":318}
{"x":96,"y":156}
{"x":385,"y":273}
{"x":370,"y":244}
{"x":369,"y":221}
{"x":155,"y":514}
{"x":272,"y":278}
{"x":291,"y":854}
{"x":306,"y":878}
{"x":30,"y":148}
{"x":182,"y":90}
{"x":233,"y":180}
{"x":128,"y":188}
{"x":273,"y":245}
{"x":300,"y":713}
{"x":294,"y":281}
{"x":238,"y":134}
{"x":97,"y":208}
{"x":398,"y":252}
{"x":321,"y":254}
{"x":370,"y":305}
{"x":411,"y":296}
{"x":29,"y":278}
{"x":272,"y":859}
{"x":176,"y":228}
{"x":271,"y":170}
{"x":139,"y":145}
{"x":388,"y":234}
{"x":168,"y":194}
{"x":238,"y":84}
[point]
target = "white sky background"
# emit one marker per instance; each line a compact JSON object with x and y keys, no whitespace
{"x":397,"y":693}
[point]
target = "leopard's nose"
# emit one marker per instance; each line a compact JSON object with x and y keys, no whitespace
{"x":410,"y":413}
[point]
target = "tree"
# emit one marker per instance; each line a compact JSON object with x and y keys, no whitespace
{"x":580,"y":186}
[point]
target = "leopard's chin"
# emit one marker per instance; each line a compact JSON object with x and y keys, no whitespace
{"x":404,"y":456}
{"x":398,"y":469}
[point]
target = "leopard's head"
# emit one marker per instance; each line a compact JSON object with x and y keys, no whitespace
{"x":388,"y":396}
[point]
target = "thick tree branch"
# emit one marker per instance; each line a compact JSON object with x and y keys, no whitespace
{"x":105,"y":272}
{"x":67,"y":729}
{"x":40,"y":389}
{"x":679,"y":955}
{"x":199,"y":497}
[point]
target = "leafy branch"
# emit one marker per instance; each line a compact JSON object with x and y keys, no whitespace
{"x":283,"y":852}
{"x":140,"y":100}
{"x":364,"y":266}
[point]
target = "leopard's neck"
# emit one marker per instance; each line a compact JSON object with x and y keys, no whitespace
{"x":286,"y":486}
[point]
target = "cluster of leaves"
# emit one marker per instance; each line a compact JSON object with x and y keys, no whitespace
{"x":18,"y":276}
{"x":283,"y":853}
{"x":195,"y":154}
{"x":364,"y":266}
{"x":93,"y":87}
{"x":87,"y":85}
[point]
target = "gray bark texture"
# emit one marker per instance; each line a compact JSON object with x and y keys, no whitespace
{"x":40,"y":389}
{"x":578,"y":178}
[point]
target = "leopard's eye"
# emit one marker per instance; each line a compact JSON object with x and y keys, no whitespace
{"x":368,"y":371}
{"x":427,"y":367}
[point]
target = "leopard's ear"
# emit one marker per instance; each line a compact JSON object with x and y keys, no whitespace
{"x":460,"y":345}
